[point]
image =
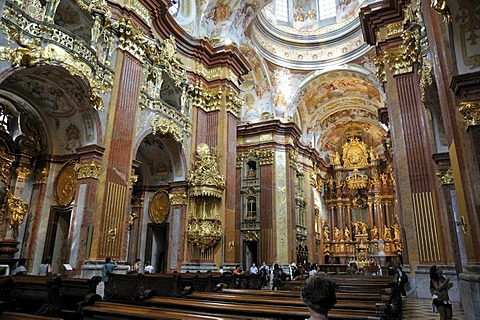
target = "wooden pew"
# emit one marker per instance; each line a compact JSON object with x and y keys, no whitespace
{"x":36,"y":294}
{"x":129,"y":288}
{"x":76,"y":292}
{"x":107,"y":310}
{"x":254,"y":310}
{"x":9,"y":315}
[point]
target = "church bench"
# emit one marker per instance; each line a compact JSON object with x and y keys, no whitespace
{"x":254,"y":310}
{"x":112,"y":311}
{"x":36,"y":294}
{"x":282,"y":301}
{"x":164,"y":284}
{"x":129,"y":288}
{"x":78,"y":291}
{"x":10,"y":315}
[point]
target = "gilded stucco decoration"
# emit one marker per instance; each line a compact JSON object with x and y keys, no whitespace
{"x":204,"y":98}
{"x":445,"y":176}
{"x":6,"y":160}
{"x":160,"y":60}
{"x":442,"y":8}
{"x":14,"y":207}
{"x":159,"y":207}
{"x":66,"y":184}
{"x":178,"y":199}
{"x":470,"y":111}
{"x":23,"y":172}
{"x":42,"y":175}
{"x":466,"y":28}
{"x":355,"y":154}
{"x":263,"y":156}
{"x":38,"y":44}
{"x":88,"y":169}
{"x":206,"y":185}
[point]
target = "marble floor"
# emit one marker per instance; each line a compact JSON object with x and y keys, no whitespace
{"x":414,"y":308}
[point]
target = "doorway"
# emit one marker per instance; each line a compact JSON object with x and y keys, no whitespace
{"x":156,"y":250}
{"x":56,"y":240}
{"x":251,"y":254}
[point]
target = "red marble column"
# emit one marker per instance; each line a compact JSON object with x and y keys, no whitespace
{"x":110,"y":231}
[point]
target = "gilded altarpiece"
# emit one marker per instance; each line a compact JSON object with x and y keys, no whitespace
{"x":359,"y":195}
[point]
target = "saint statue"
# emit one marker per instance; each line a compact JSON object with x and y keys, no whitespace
{"x":347,"y":235}
{"x":374,"y":233}
{"x":336,"y":234}
{"x":387,"y":233}
{"x":326,"y":234}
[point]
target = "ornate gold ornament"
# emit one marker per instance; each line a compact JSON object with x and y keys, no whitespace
{"x":23,"y":173}
{"x":354,"y":154}
{"x":178,"y":199}
{"x":233,"y":102}
{"x":464,"y":225}
{"x":251,"y":235}
{"x":78,"y":58}
{"x":112,"y":235}
{"x":165,"y":126}
{"x":14,"y":207}
{"x":131,"y":220}
{"x":132,"y":179}
{"x":262,"y":156}
{"x":206,"y":186}
{"x":159,"y":207}
{"x":205,"y":179}
{"x":470,"y":111}
{"x":445,"y":176}
{"x":359,"y":202}
{"x":85,"y":170}
{"x":42,"y":176}
{"x":66,"y":184}
{"x":441,"y":7}
{"x":6,"y":161}
{"x":205,"y":99}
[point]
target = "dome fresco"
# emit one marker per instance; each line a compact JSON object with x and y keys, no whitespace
{"x":309,"y":63}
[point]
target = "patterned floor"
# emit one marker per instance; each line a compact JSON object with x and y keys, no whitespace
{"x":414,"y":309}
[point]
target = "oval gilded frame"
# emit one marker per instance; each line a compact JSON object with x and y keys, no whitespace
{"x":159,"y":207}
{"x":66,"y":184}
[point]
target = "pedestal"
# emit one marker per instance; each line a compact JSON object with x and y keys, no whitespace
{"x":469,"y":287}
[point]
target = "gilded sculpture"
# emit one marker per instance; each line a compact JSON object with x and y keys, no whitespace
{"x":66,"y":184}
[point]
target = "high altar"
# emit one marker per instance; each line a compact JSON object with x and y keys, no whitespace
{"x":360,"y":198}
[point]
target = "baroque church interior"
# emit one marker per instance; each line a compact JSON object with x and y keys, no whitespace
{"x":200,"y":134}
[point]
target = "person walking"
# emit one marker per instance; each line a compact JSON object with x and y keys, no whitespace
{"x":439,"y":286}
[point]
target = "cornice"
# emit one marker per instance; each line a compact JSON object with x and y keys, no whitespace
{"x":379,"y":14}
{"x":197,"y":49}
{"x":274,"y":126}
{"x":466,"y":86}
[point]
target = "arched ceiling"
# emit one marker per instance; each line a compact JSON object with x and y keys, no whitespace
{"x":314,"y":71}
{"x":61,"y":101}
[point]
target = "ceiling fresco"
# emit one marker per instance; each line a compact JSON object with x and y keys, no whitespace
{"x":62,"y":102}
{"x":309,"y":69}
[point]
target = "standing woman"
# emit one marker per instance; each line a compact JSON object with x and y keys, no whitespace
{"x":45,"y":267}
{"x":439,"y":286}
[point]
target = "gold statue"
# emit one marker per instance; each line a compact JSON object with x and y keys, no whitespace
{"x":326,"y":234}
{"x":336,"y":234}
{"x":396,"y":232}
{"x":387,"y":233}
{"x":347,"y":234}
{"x":374,"y":233}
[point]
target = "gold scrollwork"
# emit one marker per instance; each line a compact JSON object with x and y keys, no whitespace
{"x":16,"y":208}
{"x":112,"y":234}
{"x":205,"y":179}
{"x":42,"y":176}
{"x":441,"y":7}
{"x":87,"y":170}
{"x":178,"y":198}
{"x":445,"y":176}
{"x":470,"y":111}
{"x":23,"y":172}
{"x":164,"y":126}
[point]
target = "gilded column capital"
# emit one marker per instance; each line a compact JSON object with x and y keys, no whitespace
{"x":23,"y":173}
{"x":87,"y":170}
{"x":204,"y":98}
{"x":42,"y":176}
{"x":178,"y":199}
{"x":470,"y":111}
{"x":445,"y":176}
{"x":234,"y":102}
{"x":132,"y":180}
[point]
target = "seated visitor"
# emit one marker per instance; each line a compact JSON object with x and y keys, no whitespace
{"x":318,"y":294}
